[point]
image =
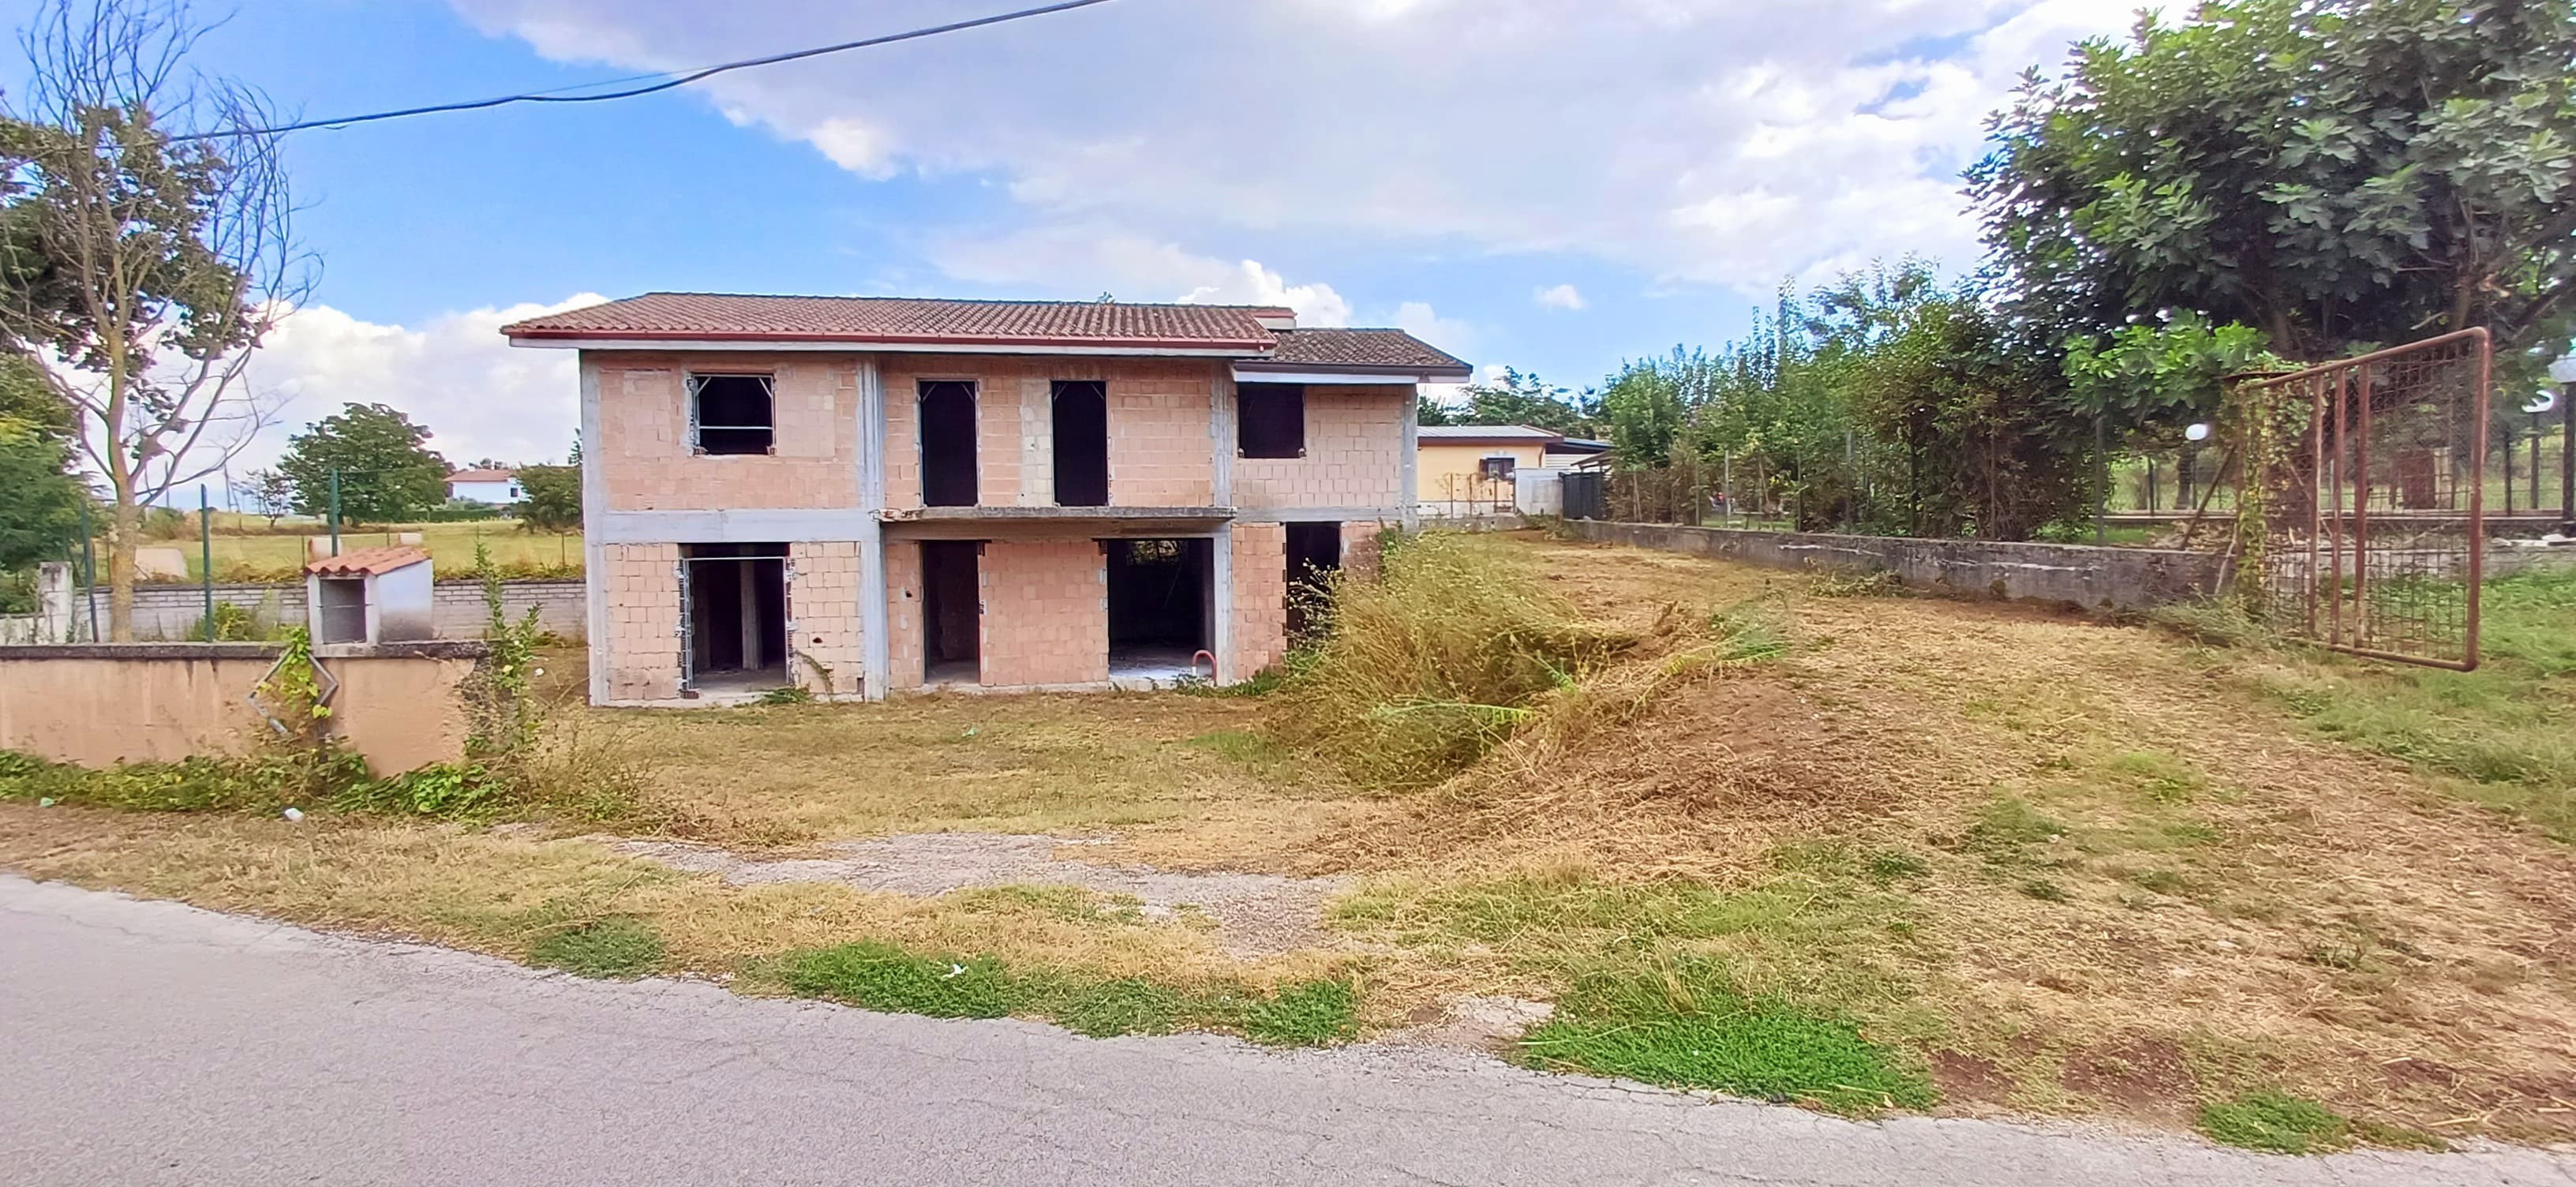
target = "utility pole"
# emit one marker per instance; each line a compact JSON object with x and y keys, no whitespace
{"x":335,"y":510}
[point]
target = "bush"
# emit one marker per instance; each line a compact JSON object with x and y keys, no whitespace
{"x":262,"y":782}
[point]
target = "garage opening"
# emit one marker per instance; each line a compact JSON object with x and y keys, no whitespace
{"x":947,"y":443}
{"x":952,"y":609}
{"x":1081,"y":444}
{"x":733,"y":608}
{"x":1160,"y":609}
{"x":1314,"y":555}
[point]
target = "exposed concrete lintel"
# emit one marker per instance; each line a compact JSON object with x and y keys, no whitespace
{"x":739,"y":526}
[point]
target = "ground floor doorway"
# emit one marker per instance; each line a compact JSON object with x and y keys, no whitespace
{"x":1162,"y":608}
{"x":1314,"y":555}
{"x":952,"y":611}
{"x":733,"y":614}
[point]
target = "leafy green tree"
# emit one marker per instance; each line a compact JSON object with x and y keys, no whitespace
{"x":1521,"y":398}
{"x":143,"y":265}
{"x":387,"y":470}
{"x":1425,"y":411}
{"x":553,"y":502}
{"x":2335,"y":173}
{"x":40,"y":501}
{"x":272,"y":494}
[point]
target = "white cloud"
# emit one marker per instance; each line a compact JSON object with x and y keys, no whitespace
{"x":1561,"y":296}
{"x":1709,"y":140}
{"x":1450,"y":334}
{"x":480,"y":396}
{"x":1079,"y":260}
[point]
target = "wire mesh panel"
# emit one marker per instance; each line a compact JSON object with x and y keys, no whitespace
{"x":2367,"y":513}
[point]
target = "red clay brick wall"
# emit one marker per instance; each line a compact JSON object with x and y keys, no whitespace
{"x":1160,"y":454}
{"x":645,"y":459}
{"x":1046,"y":613}
{"x":824,"y":601}
{"x":643,"y":642}
{"x":1354,"y":454}
{"x":903,"y":614}
{"x":1260,"y":597}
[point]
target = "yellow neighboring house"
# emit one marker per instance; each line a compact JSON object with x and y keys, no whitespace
{"x":1459,"y":466}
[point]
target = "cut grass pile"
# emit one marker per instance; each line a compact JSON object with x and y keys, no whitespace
{"x":881,"y":976}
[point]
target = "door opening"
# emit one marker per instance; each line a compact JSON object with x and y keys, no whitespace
{"x":1160,"y":612}
{"x":1314,"y":554}
{"x":1081,"y":444}
{"x":734,"y":612}
{"x":947,"y":443}
{"x":952,"y":607}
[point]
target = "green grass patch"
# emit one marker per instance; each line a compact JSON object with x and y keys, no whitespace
{"x":2008,"y":829}
{"x":1071,"y":904}
{"x":2496,"y":736}
{"x":1685,"y":1025}
{"x":617,"y":948}
{"x":2271,"y":1120}
{"x":264,"y":781}
{"x":1307,"y":1014}
{"x":1242,"y":746}
{"x":875,"y":975}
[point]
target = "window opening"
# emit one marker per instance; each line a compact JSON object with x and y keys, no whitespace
{"x":1081,"y":443}
{"x":732,"y":414}
{"x":947,"y":443}
{"x":1270,"y":419}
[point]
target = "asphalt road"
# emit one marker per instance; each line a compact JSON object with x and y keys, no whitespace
{"x":151,"y":1043}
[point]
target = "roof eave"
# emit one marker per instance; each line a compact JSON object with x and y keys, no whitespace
{"x":548,"y":335}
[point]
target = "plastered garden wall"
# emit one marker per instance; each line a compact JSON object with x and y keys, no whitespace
{"x":2078,"y":574}
{"x":98,"y":704}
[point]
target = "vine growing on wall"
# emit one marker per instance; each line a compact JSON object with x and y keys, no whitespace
{"x":499,"y":698}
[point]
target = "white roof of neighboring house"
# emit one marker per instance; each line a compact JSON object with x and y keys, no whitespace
{"x":1482,"y":434}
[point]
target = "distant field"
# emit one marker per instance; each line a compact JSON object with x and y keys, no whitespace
{"x":245,"y":550}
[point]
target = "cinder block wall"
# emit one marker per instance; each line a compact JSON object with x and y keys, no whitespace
{"x":1160,"y":453}
{"x":903,"y":614}
{"x":643,"y":643}
{"x":1046,"y":612}
{"x":828,"y":660}
{"x":1354,"y":454}
{"x":1260,"y":597}
{"x":645,"y":459}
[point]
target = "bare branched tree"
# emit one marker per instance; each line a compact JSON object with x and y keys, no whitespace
{"x":146,"y":249}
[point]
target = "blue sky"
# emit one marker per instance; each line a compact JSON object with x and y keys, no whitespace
{"x":1550,"y":184}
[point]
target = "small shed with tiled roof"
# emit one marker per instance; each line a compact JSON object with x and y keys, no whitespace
{"x":371,"y":595}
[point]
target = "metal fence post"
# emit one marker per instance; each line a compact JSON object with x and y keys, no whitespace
{"x":206,"y":556}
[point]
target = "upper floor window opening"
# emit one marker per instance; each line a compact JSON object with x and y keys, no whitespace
{"x":1270,"y":419}
{"x":732,"y":414}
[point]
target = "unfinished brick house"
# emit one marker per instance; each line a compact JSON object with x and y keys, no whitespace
{"x":862,"y":495}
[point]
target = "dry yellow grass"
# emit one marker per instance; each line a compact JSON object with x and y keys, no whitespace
{"x":2128,"y":881}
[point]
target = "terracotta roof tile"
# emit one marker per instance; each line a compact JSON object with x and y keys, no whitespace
{"x":368,"y":560}
{"x":909,"y":320}
{"x":482,"y":476}
{"x":1362,"y":348}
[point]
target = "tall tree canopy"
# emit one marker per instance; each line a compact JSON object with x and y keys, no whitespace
{"x":387,"y":471}
{"x":2334,"y":173}
{"x":140,"y":262}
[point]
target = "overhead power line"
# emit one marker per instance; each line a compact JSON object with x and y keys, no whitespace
{"x":666,"y":83}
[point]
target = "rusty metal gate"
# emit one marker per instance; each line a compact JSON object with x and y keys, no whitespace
{"x":2364,"y":513}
